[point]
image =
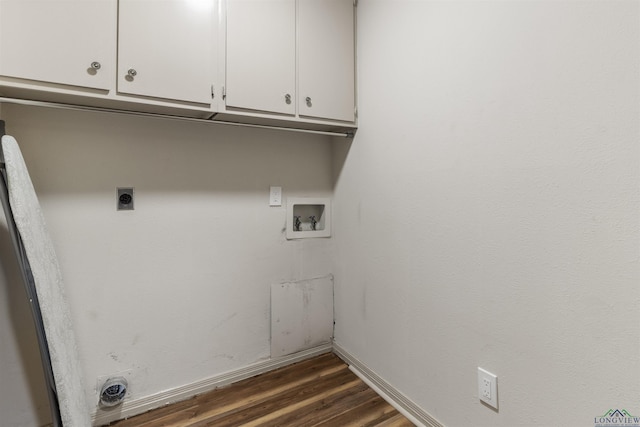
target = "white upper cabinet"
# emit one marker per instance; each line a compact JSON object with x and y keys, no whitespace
{"x":293,"y":57}
{"x":167,"y":48}
{"x":284,"y":62}
{"x":326,"y":59}
{"x":260,"y":63}
{"x":69,"y":42}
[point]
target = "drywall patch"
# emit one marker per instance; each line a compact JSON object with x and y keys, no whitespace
{"x":301,"y":315}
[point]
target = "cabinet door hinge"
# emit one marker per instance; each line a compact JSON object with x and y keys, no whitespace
{"x":213,"y":93}
{"x":355,"y":112}
{"x":224,"y":92}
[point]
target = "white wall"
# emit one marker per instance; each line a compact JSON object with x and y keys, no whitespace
{"x":177,"y":290}
{"x":487,"y":212}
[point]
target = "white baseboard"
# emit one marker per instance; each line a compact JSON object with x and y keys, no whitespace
{"x":404,"y":405}
{"x":139,"y":406}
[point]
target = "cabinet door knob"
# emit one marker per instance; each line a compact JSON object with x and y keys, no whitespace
{"x":287,"y":98}
{"x":132,"y":72}
{"x":308,"y":100}
{"x":95,"y":65}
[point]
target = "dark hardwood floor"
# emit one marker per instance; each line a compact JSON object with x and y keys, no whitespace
{"x":317,"y":392}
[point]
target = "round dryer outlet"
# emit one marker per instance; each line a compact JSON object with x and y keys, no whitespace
{"x":124,"y":197}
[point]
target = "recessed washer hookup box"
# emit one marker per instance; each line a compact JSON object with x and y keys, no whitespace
{"x":308,"y":217}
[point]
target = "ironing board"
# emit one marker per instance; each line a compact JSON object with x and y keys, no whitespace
{"x":45,"y":291}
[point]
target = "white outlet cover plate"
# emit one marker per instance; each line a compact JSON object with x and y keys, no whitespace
{"x":275,"y":196}
{"x":488,"y":388}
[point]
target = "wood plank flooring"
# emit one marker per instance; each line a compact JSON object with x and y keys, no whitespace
{"x":317,"y":392}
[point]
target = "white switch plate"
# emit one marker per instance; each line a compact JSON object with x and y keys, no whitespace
{"x":275,"y":196}
{"x":488,"y":388}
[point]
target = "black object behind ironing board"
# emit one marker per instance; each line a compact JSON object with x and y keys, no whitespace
{"x":30,"y":287}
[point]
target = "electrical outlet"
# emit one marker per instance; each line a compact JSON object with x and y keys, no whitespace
{"x":488,"y":388}
{"x":124,"y":198}
{"x":275,"y":196}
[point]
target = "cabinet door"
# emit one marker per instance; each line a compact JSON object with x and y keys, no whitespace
{"x":260,"y":66}
{"x":58,"y":41}
{"x":166,"y":48}
{"x":326,"y":59}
